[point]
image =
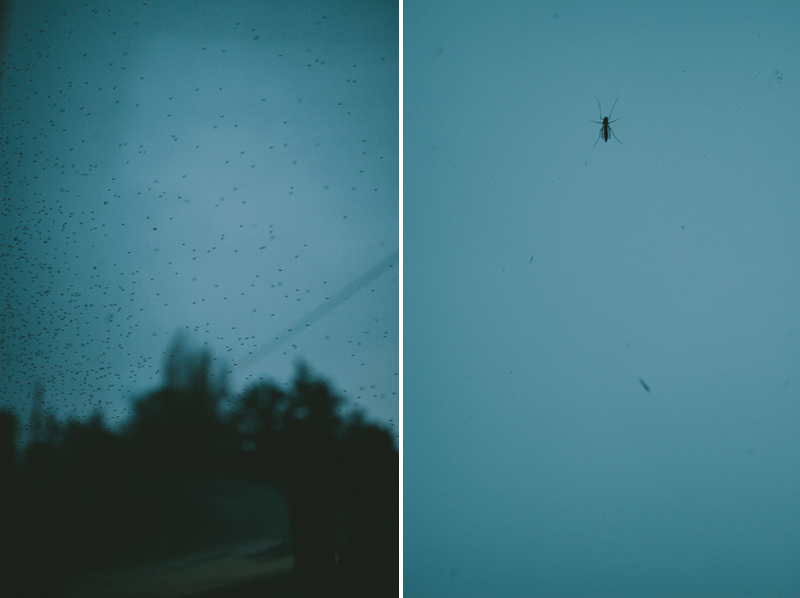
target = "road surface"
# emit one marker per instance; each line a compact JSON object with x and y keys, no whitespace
{"x":209,"y":573}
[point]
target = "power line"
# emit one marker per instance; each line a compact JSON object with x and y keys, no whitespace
{"x":321,"y":310}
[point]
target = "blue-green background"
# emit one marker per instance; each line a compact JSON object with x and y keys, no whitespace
{"x":543,"y":277}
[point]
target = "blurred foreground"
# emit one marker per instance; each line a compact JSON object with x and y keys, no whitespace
{"x":265,"y":564}
{"x":277,"y":496}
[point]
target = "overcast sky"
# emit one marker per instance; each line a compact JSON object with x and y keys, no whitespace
{"x":601,"y":385}
{"x":218,"y":167}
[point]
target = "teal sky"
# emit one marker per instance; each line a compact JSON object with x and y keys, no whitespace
{"x":544,"y":277}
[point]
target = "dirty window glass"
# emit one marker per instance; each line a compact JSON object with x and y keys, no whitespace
{"x":228,"y":170}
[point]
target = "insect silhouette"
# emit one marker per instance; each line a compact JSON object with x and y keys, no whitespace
{"x":606,"y":128}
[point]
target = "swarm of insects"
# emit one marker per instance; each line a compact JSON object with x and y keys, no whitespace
{"x":606,"y":128}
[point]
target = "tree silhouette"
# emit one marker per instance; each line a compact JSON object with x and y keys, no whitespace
{"x":86,"y":498}
{"x":8,"y":439}
{"x":42,"y":434}
{"x":179,"y":425}
{"x":369,"y":503}
{"x":39,"y":534}
{"x":259,"y":417}
{"x":310,"y":477}
{"x":341,"y":480}
{"x":8,"y":514}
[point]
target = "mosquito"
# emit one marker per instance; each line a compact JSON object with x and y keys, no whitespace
{"x":606,"y":128}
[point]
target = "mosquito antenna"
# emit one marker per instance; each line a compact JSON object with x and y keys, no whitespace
{"x":612,"y":108}
{"x":600,"y":107}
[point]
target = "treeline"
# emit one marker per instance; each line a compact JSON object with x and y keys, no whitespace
{"x":83,"y":497}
